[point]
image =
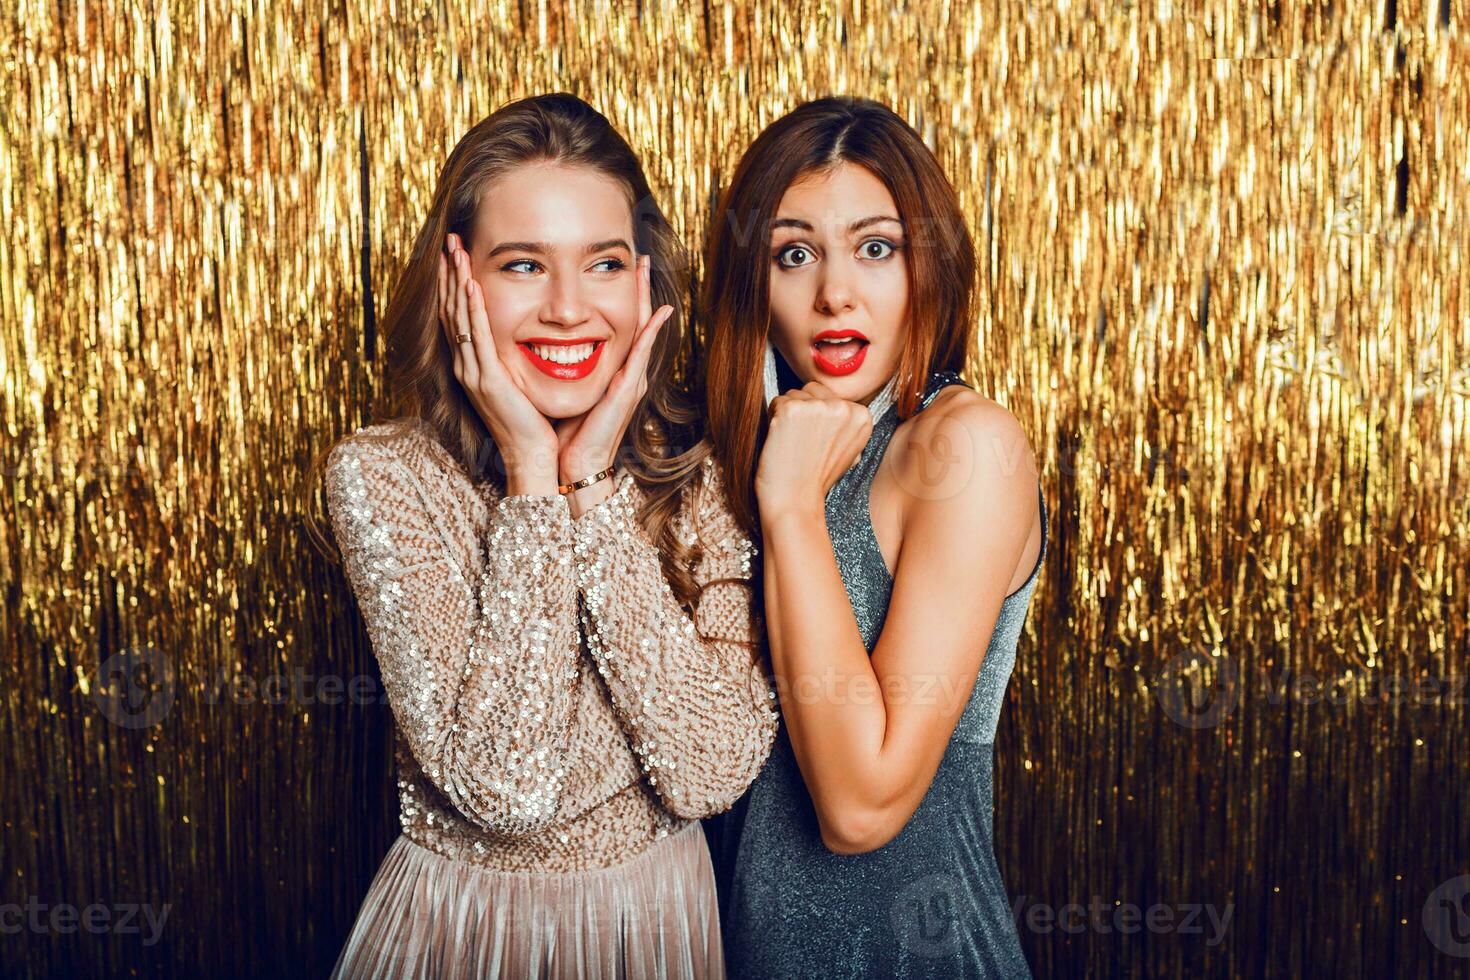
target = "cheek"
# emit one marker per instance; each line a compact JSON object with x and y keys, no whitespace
{"x":889,"y":298}
{"x":622,"y":315}
{"x":506,"y":309}
{"x":788,"y":298}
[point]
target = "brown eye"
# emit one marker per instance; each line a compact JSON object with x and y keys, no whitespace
{"x":878,"y":248}
{"x":793,"y":256}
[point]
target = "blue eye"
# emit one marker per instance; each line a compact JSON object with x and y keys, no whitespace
{"x":511,"y":266}
{"x":615,"y":265}
{"x":794,"y":256}
{"x":866,"y":249}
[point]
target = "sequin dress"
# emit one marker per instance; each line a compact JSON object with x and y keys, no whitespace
{"x":930,"y":902}
{"x":560,"y":722}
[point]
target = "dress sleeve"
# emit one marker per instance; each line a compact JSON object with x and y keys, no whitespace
{"x":479,"y":666}
{"x":692,"y":695}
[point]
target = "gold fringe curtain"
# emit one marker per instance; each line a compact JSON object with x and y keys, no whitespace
{"x":1223,"y":285}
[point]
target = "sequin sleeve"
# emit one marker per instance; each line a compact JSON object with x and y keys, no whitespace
{"x":479,"y":664}
{"x":692,"y":694}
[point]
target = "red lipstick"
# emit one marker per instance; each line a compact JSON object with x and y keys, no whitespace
{"x":555,"y":369}
{"x":839,"y":352}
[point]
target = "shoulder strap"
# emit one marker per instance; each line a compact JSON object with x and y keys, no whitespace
{"x":938,"y":381}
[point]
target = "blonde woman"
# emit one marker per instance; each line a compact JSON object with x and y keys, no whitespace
{"x":556,"y":594}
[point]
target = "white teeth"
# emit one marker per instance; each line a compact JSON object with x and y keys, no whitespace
{"x":845,"y":340}
{"x":559,"y":354}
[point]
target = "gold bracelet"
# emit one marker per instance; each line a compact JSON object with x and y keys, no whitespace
{"x":586,"y":481}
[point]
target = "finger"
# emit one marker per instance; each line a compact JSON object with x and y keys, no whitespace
{"x":819,"y":390}
{"x":486,"y":359}
{"x":441,"y":298}
{"x":461,"y":314}
{"x":446,"y":298}
{"x":439,"y":292}
{"x":463,"y":327}
{"x":634,"y":372}
{"x":645,"y":287}
{"x":643,"y":347}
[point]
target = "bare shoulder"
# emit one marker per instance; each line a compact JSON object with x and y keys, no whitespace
{"x":966,"y":448}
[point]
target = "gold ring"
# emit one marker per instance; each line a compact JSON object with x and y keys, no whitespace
{"x":462,"y":338}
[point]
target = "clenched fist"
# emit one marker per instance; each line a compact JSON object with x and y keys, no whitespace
{"x":814,"y":438}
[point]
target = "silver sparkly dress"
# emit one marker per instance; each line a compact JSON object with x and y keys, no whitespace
{"x":930,"y":903}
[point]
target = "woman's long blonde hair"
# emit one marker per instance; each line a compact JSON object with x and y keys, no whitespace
{"x":663,"y":448}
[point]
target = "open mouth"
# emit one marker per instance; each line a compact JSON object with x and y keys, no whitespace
{"x":839,"y":352}
{"x":565,"y":360}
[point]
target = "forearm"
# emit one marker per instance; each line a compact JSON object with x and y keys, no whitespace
{"x":830,"y":696}
{"x":513,"y":708}
{"x":479,"y":668}
{"x":690,"y":691}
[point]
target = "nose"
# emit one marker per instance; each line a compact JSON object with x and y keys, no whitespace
{"x":834,"y":291}
{"x":565,"y":304}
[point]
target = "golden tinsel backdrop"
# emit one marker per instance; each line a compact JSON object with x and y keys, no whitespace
{"x":1224,"y":285}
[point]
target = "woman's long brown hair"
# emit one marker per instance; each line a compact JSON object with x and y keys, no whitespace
{"x":813,"y":138}
{"x":662,"y":448}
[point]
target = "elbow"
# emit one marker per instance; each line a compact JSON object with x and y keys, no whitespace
{"x":706,"y":798}
{"x":858,"y":830}
{"x":690,"y":808}
{"x":715,"y":783}
{"x":507,"y":808}
{"x":509,"y":820}
{"x":514,"y":819}
{"x":699,"y":802}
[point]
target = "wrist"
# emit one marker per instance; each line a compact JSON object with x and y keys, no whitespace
{"x":570,"y":469}
{"x":586,"y":498}
{"x":802,"y":510}
{"x":528,"y":469}
{"x":530,"y":484}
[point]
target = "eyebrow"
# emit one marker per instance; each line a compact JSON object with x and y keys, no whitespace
{"x":542,"y":248}
{"x":857,"y":225}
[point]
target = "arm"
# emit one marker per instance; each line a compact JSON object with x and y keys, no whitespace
{"x":869,"y":749}
{"x":698,"y":712}
{"x":481,"y":673}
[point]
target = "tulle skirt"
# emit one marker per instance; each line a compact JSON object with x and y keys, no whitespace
{"x":427,"y":916}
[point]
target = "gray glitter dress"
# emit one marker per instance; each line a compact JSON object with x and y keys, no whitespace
{"x":930,"y":902}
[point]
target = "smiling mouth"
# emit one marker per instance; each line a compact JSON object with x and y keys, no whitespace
{"x":839,"y":352}
{"x":560,"y":359}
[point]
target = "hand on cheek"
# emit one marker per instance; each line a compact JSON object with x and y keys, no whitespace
{"x":590,"y":442}
{"x":520,"y":431}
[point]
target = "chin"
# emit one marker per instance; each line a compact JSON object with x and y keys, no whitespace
{"x":563,"y":399}
{"x":852,"y":387}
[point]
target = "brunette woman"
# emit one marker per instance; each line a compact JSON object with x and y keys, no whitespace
{"x":901,"y":526}
{"x":555,"y":592}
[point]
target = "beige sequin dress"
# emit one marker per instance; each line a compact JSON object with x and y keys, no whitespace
{"x":561,"y":723}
